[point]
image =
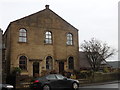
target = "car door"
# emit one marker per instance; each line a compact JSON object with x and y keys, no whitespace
{"x":63,"y":82}
{"x":52,"y":81}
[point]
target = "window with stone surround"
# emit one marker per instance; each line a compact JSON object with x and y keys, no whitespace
{"x":23,"y":63}
{"x":49,"y":63}
{"x":22,"y":35}
{"x":48,"y":37}
{"x":71,"y":63}
{"x":69,"y":39}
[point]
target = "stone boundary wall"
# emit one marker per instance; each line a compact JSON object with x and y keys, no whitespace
{"x":101,"y":78}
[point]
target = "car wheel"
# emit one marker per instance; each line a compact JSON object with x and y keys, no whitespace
{"x":75,"y":86}
{"x":46,"y":87}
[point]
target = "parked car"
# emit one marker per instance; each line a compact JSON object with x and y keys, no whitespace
{"x":6,"y":87}
{"x":54,"y":81}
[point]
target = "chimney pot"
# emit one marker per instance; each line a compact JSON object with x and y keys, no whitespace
{"x":47,"y":6}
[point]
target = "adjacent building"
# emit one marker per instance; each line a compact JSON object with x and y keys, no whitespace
{"x":83,"y":61}
{"x":41,"y":42}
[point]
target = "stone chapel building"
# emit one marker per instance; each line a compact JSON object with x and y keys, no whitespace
{"x":40,"y":42}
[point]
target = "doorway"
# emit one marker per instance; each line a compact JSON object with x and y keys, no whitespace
{"x":61,"y":67}
{"x":36,"y":69}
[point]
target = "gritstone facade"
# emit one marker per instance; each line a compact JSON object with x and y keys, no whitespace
{"x":41,"y":42}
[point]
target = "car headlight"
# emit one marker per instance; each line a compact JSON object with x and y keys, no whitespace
{"x":9,"y":86}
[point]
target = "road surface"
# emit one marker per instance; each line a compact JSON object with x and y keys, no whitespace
{"x":112,"y":86}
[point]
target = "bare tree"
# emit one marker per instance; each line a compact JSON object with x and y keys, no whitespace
{"x":96,"y":52}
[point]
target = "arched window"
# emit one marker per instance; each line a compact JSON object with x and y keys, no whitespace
{"x":23,"y":62}
{"x":71,"y":63}
{"x":69,"y":39}
{"x":22,"y":35}
{"x":49,"y":63}
{"x":48,"y":37}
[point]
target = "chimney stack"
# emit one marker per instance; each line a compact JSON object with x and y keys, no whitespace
{"x":47,"y":6}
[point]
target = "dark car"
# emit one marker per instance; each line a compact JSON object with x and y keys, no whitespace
{"x":6,"y":87}
{"x":54,"y":81}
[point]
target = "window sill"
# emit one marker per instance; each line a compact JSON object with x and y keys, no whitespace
{"x":69,"y":45}
{"x":48,"y":44}
{"x":22,"y":42}
{"x":24,"y":70}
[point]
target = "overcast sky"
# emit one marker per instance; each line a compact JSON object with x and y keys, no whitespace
{"x":93,"y":18}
